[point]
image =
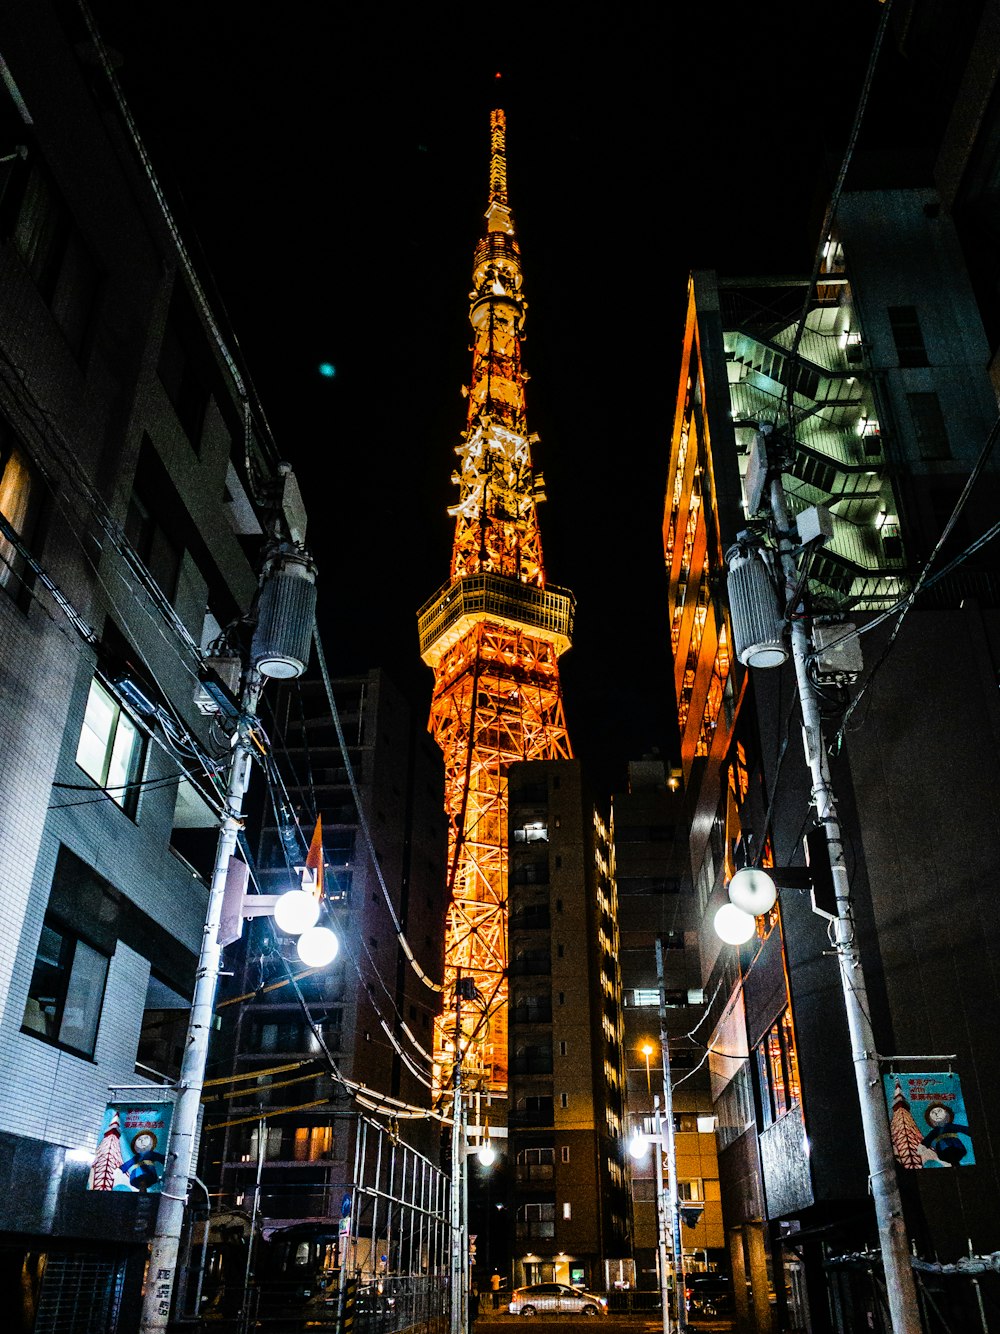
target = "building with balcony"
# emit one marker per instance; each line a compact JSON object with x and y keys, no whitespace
{"x":569,"y":1192}
{"x":882,"y":414}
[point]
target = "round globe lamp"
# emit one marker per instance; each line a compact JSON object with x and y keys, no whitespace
{"x":753,"y":890}
{"x":296,"y":911}
{"x":733,"y":925}
{"x":638,"y":1145}
{"x":486,"y":1153}
{"x":318,"y":946}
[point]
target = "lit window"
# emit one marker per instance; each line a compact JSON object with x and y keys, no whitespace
{"x":110,"y":748}
{"x":19,"y":504}
{"x":66,"y":991}
{"x":567,"y":1210}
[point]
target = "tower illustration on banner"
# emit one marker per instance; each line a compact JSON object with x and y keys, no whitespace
{"x":493,"y":635}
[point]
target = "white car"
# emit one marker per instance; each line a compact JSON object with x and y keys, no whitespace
{"x":556,"y":1299}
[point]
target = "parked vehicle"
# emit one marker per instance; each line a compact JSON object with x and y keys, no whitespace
{"x":556,"y":1299}
{"x":708,"y":1294}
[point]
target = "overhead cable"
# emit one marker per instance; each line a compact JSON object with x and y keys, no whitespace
{"x":363,"y":821}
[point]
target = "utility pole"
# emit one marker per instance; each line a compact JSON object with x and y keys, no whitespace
{"x":900,"y":1287}
{"x":661,"y":1216}
{"x":162,"y":1269}
{"x":459,"y":1247}
{"x":670,"y":1143}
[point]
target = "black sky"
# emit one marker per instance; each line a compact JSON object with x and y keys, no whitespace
{"x":329,"y":165}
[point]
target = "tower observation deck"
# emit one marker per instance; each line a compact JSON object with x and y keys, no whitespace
{"x":493,"y":635}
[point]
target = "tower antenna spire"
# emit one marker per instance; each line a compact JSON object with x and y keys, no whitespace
{"x":498,"y":158}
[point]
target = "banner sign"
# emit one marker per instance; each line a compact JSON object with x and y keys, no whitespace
{"x":132,"y":1152}
{"x":927,"y":1121}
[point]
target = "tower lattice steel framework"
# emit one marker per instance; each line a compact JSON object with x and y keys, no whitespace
{"x":493,"y":635}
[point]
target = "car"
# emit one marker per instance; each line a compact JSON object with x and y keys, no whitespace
{"x":708,"y":1294}
{"x":556,"y":1299}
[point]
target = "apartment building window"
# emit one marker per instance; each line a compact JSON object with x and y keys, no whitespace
{"x":57,"y":258}
{"x":778,"y":1069}
{"x":563,"y":1099}
{"x":178,"y":371}
{"x":66,"y":991}
{"x":567,"y":1210}
{"x":536,"y":1221}
{"x":535,"y":1164}
{"x":312,"y":1143}
{"x":564,"y":1153}
{"x":159,"y":554}
{"x":907,"y":335}
{"x":535,"y":831}
{"x":20,"y":502}
{"x":929,"y":426}
{"x":111,"y":747}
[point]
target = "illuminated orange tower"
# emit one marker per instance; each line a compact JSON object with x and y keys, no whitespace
{"x":493,"y":635}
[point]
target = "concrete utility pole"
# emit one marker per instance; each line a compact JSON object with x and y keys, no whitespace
{"x":162,"y":1270}
{"x":900,"y":1287}
{"x":670,"y":1143}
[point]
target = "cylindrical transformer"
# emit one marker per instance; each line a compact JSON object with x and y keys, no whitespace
{"x":753,"y":605}
{"x":286,"y":613}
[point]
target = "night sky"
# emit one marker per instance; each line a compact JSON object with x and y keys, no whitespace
{"x":328,"y":165}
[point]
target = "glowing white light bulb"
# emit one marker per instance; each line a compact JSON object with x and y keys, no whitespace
{"x":318,"y":946}
{"x":296,"y":911}
{"x":733,"y":925}
{"x":638,"y":1145}
{"x":487,"y":1155}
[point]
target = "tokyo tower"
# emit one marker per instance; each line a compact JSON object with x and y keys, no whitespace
{"x":493,"y":635}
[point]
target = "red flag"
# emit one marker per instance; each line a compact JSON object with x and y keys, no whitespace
{"x":314,"y":857}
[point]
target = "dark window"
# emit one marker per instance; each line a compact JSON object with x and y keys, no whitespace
{"x":929,"y":426}
{"x":159,"y":554}
{"x":534,"y":872}
{"x":181,"y":377}
{"x":907,"y":335}
{"x":66,"y":991}
{"x":164,"y":1030}
{"x":55,"y":254}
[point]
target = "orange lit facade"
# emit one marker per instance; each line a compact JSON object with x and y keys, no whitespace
{"x":699,"y":630}
{"x":493,"y":635}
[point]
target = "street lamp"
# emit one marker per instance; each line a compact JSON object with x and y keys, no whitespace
{"x":647,"y":1051}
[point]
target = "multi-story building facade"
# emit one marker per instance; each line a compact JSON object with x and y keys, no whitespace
{"x":569,"y":1193}
{"x":881,"y":414}
{"x":372,"y":1009}
{"x":655,"y":901}
{"x":134,"y":484}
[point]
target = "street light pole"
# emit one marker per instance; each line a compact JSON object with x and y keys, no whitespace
{"x":900,"y":1287}
{"x":661,"y":1216}
{"x":162,"y":1269}
{"x":671,"y":1144}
